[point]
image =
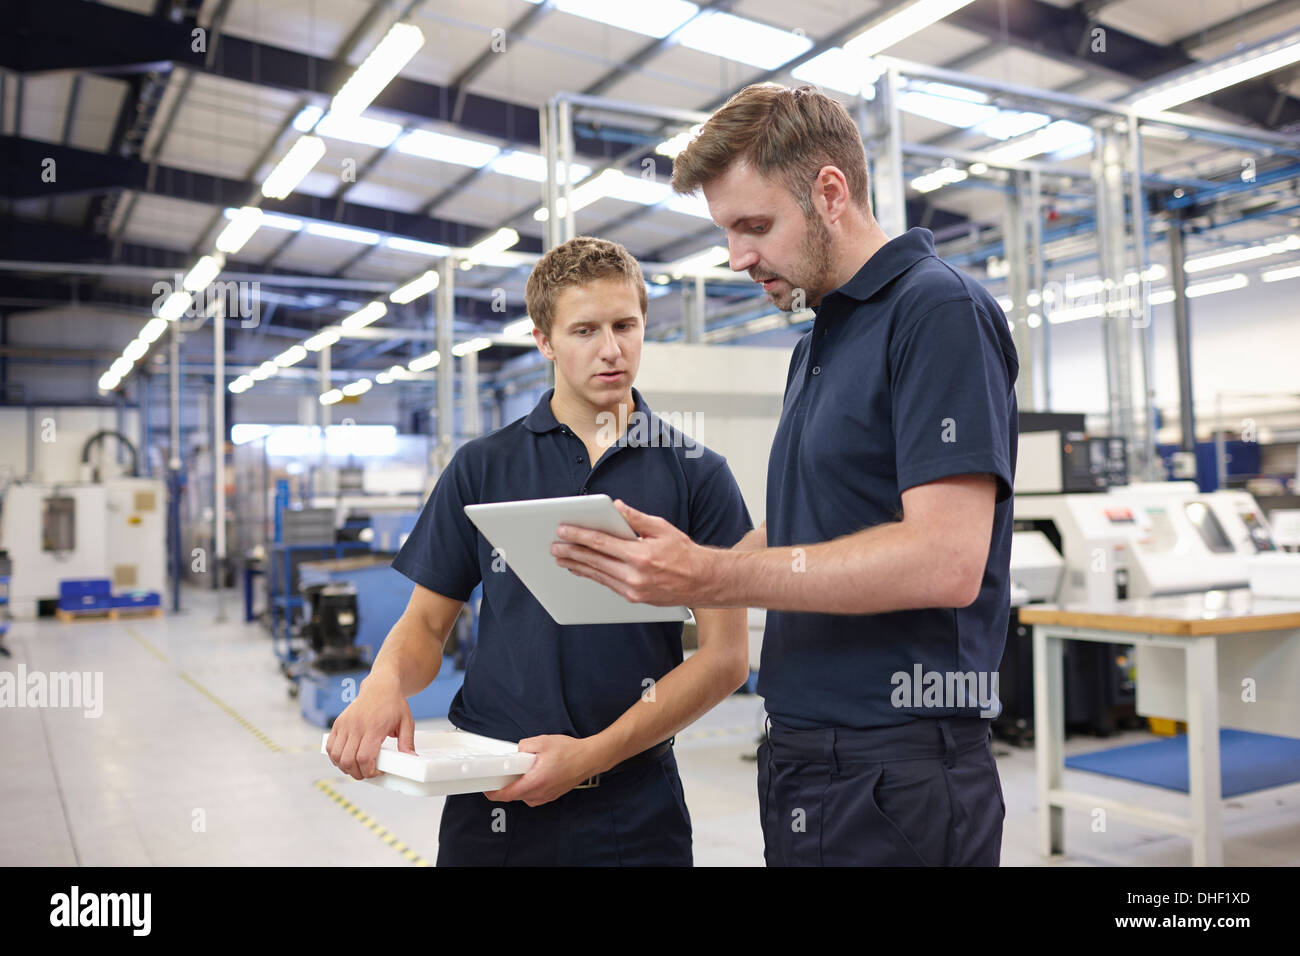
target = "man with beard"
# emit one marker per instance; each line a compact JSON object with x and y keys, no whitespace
{"x":884,"y":557}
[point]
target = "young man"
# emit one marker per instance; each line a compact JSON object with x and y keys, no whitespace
{"x":884,"y":557}
{"x":597,"y":704}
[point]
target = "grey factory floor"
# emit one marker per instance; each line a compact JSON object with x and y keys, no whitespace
{"x":200,"y":758}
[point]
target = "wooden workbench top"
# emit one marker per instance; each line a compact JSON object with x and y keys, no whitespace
{"x":1235,"y":611}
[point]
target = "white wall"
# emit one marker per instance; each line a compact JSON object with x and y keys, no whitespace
{"x":57,"y":436}
{"x":1247,"y":340}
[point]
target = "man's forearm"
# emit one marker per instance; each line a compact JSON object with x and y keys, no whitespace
{"x":411,"y":656}
{"x":680,"y":697}
{"x":887,"y":568}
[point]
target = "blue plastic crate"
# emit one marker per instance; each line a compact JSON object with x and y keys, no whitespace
{"x":138,"y":599}
{"x":72,"y":590}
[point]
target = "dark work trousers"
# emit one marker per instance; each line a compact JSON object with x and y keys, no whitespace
{"x":925,"y":793}
{"x":636,"y":817}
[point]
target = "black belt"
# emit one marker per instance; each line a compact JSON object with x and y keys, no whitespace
{"x":654,"y":753}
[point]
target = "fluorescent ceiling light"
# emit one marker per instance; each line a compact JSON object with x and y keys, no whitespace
{"x":242,"y":432}
{"x":652,"y":18}
{"x":675,"y":144}
{"x":359,"y":387}
{"x":153,"y":330}
{"x":741,"y":39}
{"x":1161,"y":296}
{"x":1153,"y":274}
{"x":838,"y":69}
{"x":291,"y":356}
{"x":1091,"y":311}
{"x":174,"y":305}
{"x":307,"y":118}
{"x":242,"y":225}
{"x":420,"y":285}
{"x":108,"y":381}
{"x":424,"y":362}
{"x":135,"y":350}
{"x":383,"y":378}
{"x":518,"y":328}
{"x":1248,"y":254}
{"x":297,"y":163}
{"x":635,"y":189}
{"x":1008,"y":124}
{"x":705,"y":259}
{"x":1198,"y":82}
{"x":1058,"y":136}
{"x":473,"y":345}
{"x":377,"y":70}
{"x":692,"y":205}
{"x":263,"y":371}
{"x":275,"y":221}
{"x":1277,"y":275}
{"x":1238,"y":281}
{"x":942,"y":176}
{"x":204,"y":271}
{"x":901,"y":25}
{"x":525,"y":165}
{"x":322,"y":340}
{"x":951,"y":105}
{"x":447,"y":149}
{"x":333,"y":231}
{"x":121,"y":366}
{"x":331,"y":397}
{"x":359,"y":129}
{"x":363,"y":317}
{"x":499,"y":241}
{"x":402,"y":244}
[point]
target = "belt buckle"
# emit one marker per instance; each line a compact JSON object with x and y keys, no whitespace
{"x":589,"y":784}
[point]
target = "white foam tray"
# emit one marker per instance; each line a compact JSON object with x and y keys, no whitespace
{"x":447,"y":762}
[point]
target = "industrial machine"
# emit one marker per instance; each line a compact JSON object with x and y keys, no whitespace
{"x":351,"y":605}
{"x":1057,"y":462}
{"x":1148,"y":539}
{"x":331,"y":627}
{"x":54,"y":532}
{"x":1134,"y":541}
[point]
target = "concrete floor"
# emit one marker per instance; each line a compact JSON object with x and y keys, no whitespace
{"x":200,"y":758}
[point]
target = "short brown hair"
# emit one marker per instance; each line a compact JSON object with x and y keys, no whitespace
{"x":787,"y":135}
{"x":581,"y":260}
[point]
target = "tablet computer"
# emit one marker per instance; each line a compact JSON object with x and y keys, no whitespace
{"x":522,"y":533}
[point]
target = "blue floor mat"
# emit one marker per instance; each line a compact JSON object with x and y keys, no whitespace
{"x":1248,"y":761}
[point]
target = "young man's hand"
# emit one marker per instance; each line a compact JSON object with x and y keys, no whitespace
{"x":562,"y":763}
{"x":379,"y":711}
{"x":662,"y":567}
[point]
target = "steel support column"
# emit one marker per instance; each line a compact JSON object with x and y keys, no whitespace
{"x":885,"y":156}
{"x":1182,"y":337}
{"x":1141,"y":304}
{"x":1108,"y":175}
{"x":219,"y":455}
{"x":445,"y":320}
{"x":1016,"y":249}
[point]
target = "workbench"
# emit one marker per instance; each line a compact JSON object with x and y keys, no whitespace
{"x":1200,"y":658}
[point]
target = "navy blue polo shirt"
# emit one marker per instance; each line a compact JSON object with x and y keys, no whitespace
{"x":528,"y":675}
{"x":906,"y":377}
